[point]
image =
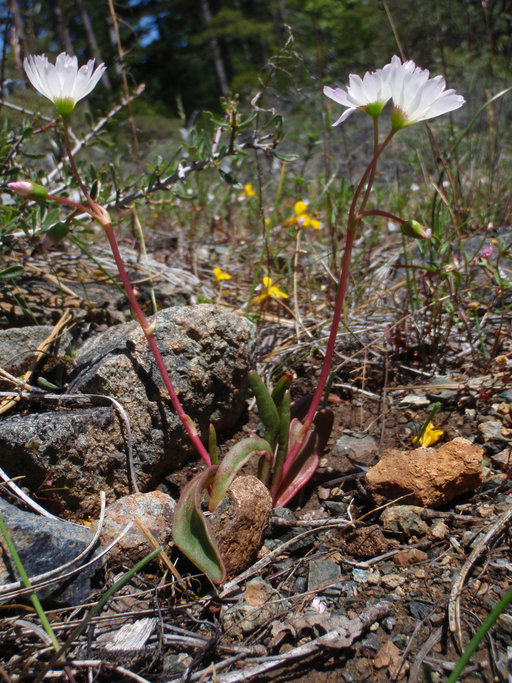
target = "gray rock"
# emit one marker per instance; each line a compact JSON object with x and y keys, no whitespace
{"x":71,"y":454}
{"x":360,"y":448}
{"x":44,"y":544}
{"x":491,"y":430}
{"x":443,"y":395}
{"x":18,"y":345}
{"x":404,"y":518}
{"x":208,"y":351}
{"x":415,"y":400}
{"x":360,"y":575}
{"x":321,"y":574}
{"x":506,"y":395}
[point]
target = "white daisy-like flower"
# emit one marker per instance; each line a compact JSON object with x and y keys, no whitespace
{"x":63,"y":82}
{"x":416,"y":97}
{"x":369,"y":93}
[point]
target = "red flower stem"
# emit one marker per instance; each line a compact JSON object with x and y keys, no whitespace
{"x":101,"y":215}
{"x":148,"y":332}
{"x":374,"y":167}
{"x":353,"y":219}
{"x":378,"y":212}
{"x":370,"y":170}
{"x":75,"y":205}
{"x":90,"y":201}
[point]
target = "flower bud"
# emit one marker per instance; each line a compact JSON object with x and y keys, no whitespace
{"x":412,"y":228}
{"x":28,"y":189}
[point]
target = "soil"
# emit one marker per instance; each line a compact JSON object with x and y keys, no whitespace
{"x":329,"y":552}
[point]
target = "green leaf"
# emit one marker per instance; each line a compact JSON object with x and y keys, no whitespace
{"x":232,"y":462}
{"x":248,"y":121}
{"x":281,"y":387}
{"x":284,"y":435}
{"x":285,"y":157}
{"x":267,"y":409}
{"x":11,"y":272}
{"x":212,"y":445}
{"x":57,"y":232}
{"x":191,"y":532}
{"x":230,"y":179}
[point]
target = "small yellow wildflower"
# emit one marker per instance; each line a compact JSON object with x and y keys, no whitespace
{"x":249,"y":191}
{"x":220,"y":275}
{"x":429,"y":437}
{"x":270,"y":290}
{"x":302,"y":217}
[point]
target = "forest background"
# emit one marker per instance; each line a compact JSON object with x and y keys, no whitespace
{"x":194,"y":51}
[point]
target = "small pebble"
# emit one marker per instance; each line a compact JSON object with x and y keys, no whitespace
{"x":391,"y":581}
{"x":415,"y":400}
{"x":360,"y":575}
{"x":389,"y":624}
{"x":439,"y":530}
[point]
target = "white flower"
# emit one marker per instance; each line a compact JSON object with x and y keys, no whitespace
{"x":63,"y":82}
{"x":369,"y":93}
{"x":416,"y":97}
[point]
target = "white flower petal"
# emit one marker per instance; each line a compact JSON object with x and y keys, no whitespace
{"x":62,"y":80}
{"x":372,"y":89}
{"x":416,"y":97}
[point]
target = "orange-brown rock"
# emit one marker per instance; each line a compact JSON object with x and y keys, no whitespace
{"x":429,"y":477}
{"x":239,"y":522}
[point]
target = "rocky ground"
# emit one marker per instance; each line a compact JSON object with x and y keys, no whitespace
{"x":388,"y":561}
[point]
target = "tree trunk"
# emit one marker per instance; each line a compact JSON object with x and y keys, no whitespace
{"x":217,"y":57}
{"x":91,"y":39}
{"x":60,"y":29}
{"x":17,"y":36}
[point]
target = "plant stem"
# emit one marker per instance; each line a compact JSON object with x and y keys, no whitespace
{"x":378,"y":212}
{"x":90,"y":201}
{"x":353,"y":220}
{"x":148,"y":332}
{"x":101,"y":215}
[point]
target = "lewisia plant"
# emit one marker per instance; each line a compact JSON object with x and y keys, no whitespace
{"x":294,"y":436}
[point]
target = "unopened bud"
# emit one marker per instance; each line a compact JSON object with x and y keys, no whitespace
{"x":28,"y":189}
{"x":412,"y":228}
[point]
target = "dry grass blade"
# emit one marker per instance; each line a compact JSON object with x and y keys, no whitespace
{"x":23,"y":496}
{"x":153,"y":543}
{"x":456,"y":591}
{"x":39,"y":353}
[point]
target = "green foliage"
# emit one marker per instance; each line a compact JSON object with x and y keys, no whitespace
{"x":191,"y":531}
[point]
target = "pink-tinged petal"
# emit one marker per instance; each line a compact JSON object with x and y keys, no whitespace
{"x":446,"y":104}
{"x":369,"y":93}
{"x":338,"y":95}
{"x":344,"y":116}
{"x":356,"y":88}
{"x":21,"y":187}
